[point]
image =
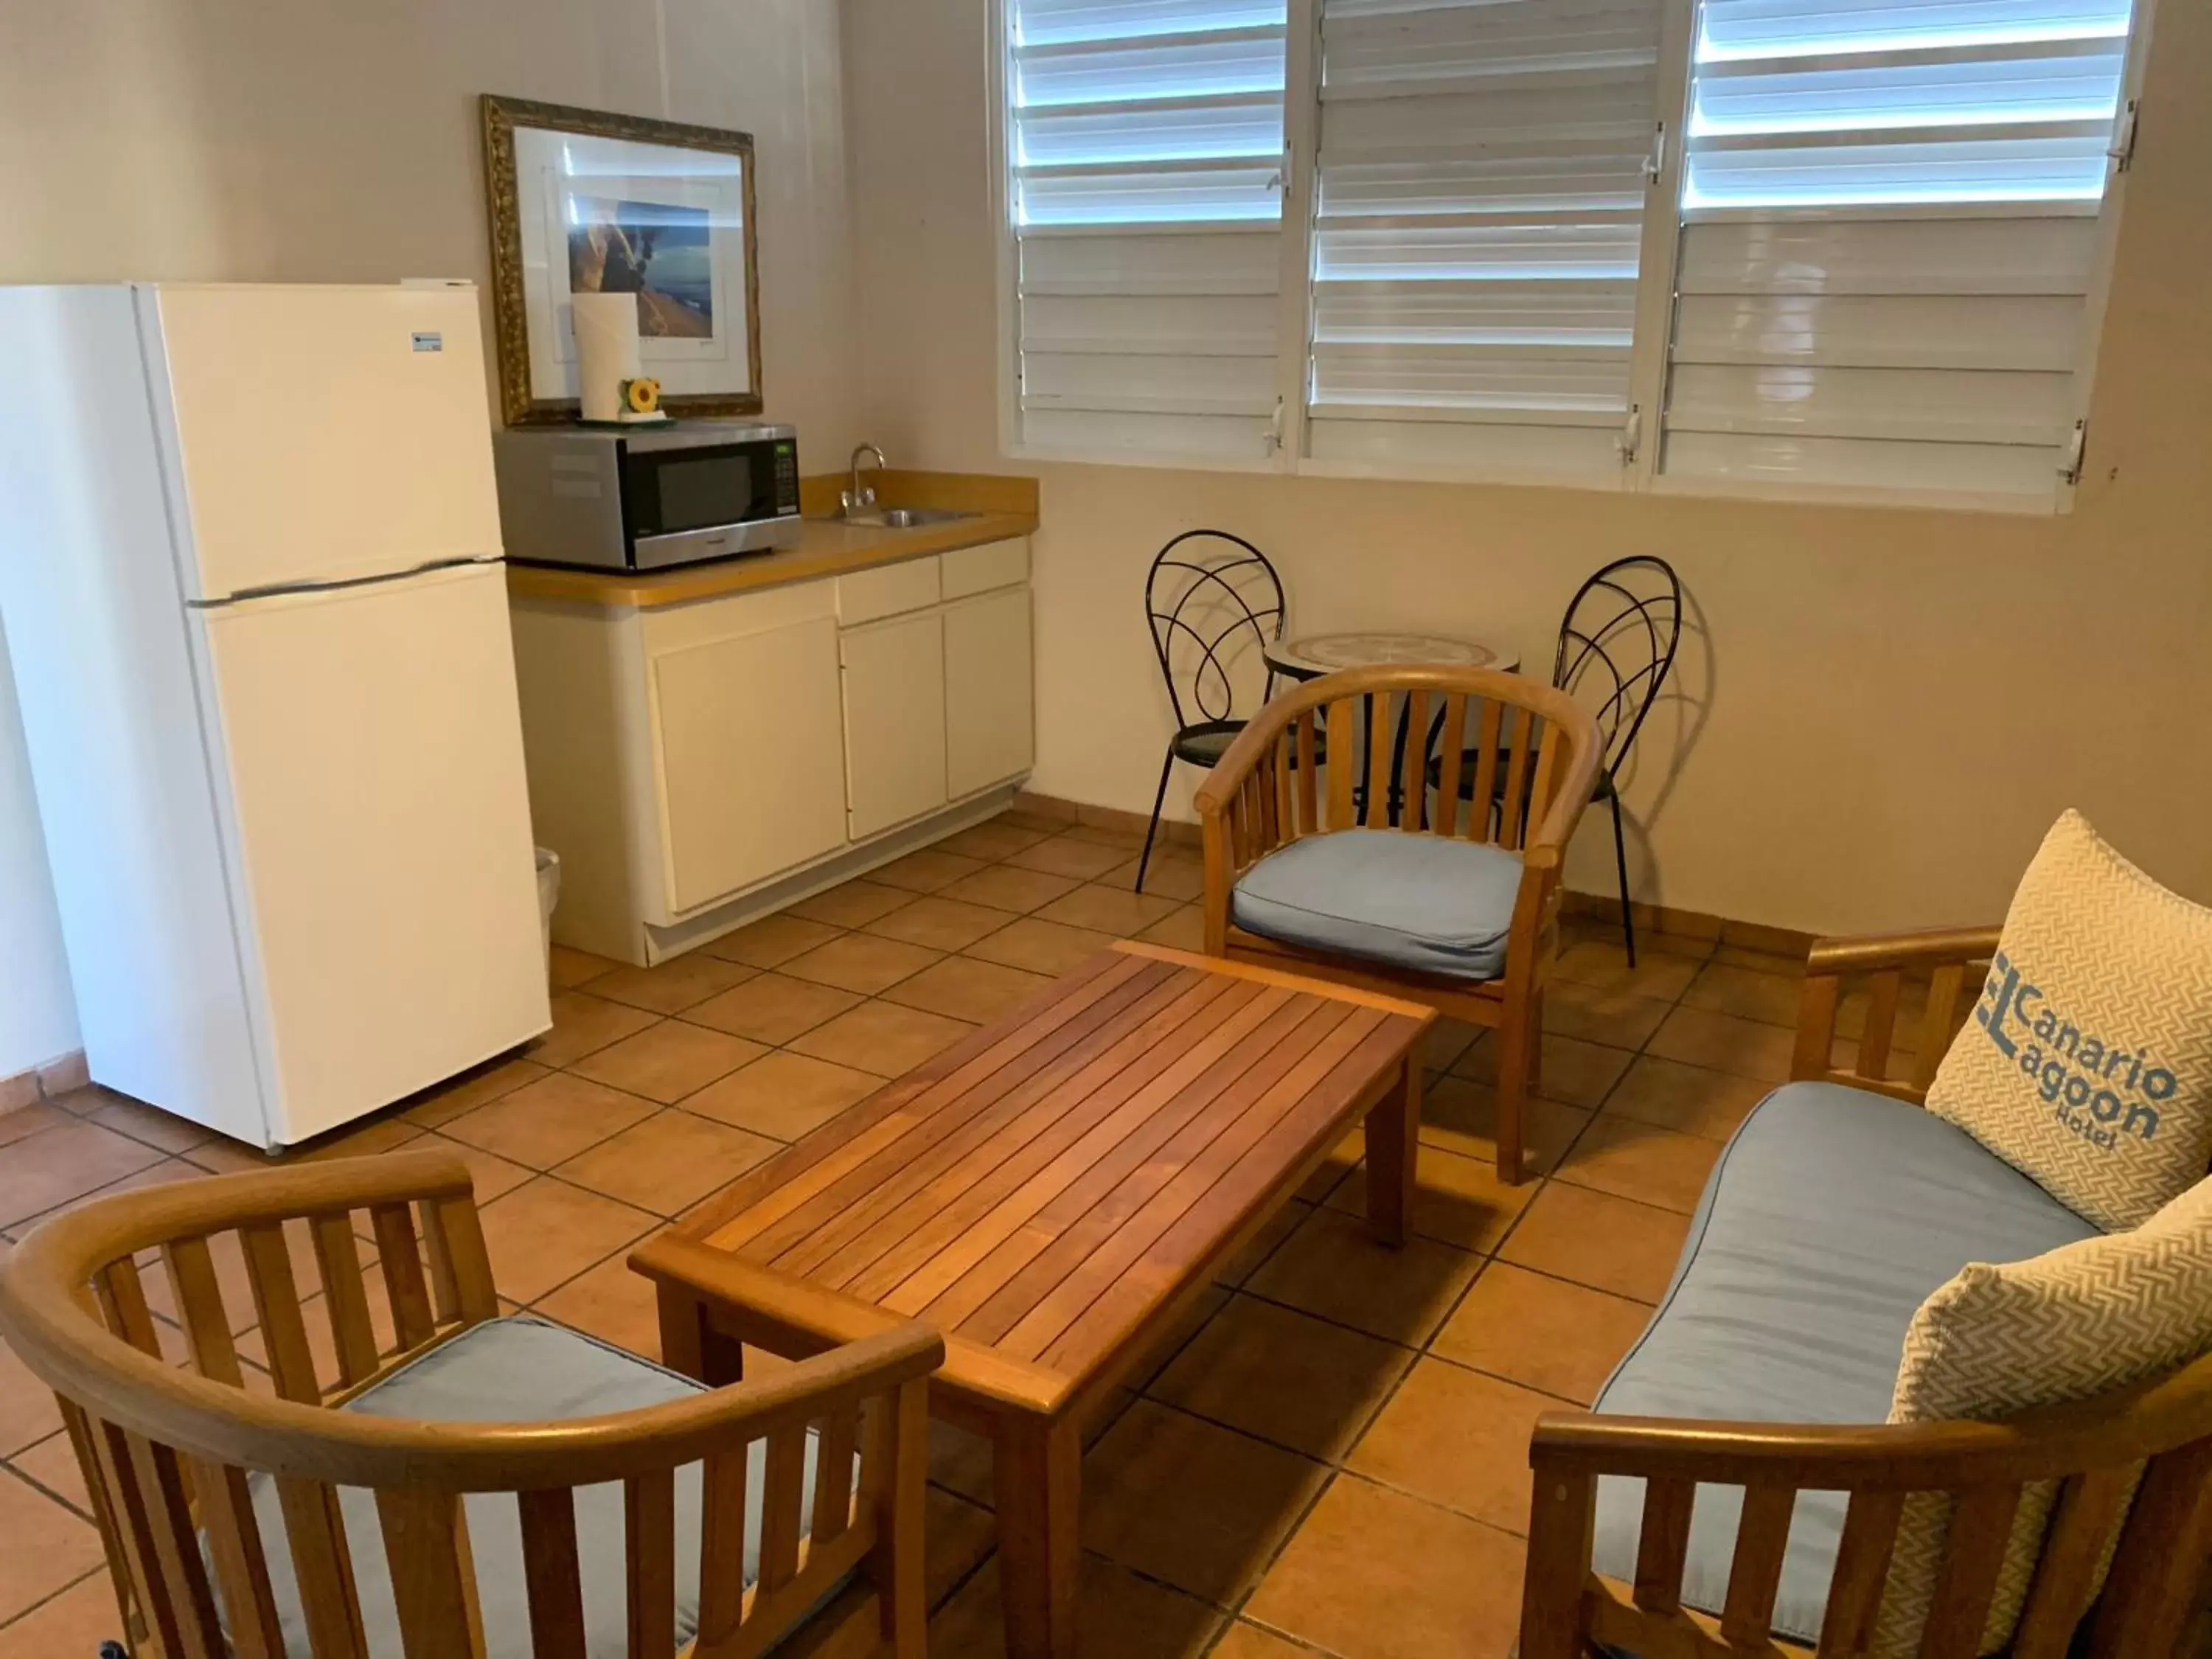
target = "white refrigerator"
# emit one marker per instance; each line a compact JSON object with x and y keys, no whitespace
{"x":249,"y":577}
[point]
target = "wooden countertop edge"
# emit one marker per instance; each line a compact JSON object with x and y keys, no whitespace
{"x":826,"y":548}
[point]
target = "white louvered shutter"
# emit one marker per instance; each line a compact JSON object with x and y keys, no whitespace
{"x":1890,"y":234}
{"x":1483,"y":172}
{"x":1146,"y":154}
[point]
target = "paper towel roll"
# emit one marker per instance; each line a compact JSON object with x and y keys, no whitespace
{"x":606,"y":351}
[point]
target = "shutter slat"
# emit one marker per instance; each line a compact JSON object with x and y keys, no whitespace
{"x":1482,"y":195}
{"x":1899,"y":376}
{"x":1852,"y":465}
{"x":1141,"y":132}
{"x":1885,"y":346}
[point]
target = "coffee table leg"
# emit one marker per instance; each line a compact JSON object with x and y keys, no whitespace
{"x":1038,"y":1467}
{"x":1394,"y":1135}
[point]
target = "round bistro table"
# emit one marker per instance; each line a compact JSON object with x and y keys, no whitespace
{"x":1313,"y":655}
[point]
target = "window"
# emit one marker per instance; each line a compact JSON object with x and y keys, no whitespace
{"x":1483,"y":169}
{"x":1891,"y":239}
{"x":1147,"y":174}
{"x":1733,"y":246}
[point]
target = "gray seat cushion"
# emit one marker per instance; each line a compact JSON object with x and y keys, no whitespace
{"x":1829,"y":1219}
{"x":1429,"y":903}
{"x":520,"y":1369}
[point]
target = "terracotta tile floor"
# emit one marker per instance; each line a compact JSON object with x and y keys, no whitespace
{"x":1332,"y":1458}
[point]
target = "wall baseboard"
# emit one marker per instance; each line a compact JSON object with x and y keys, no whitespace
{"x":1692,"y":925}
{"x":1173,"y":832}
{"x":1650,"y":918}
{"x":61,"y":1075}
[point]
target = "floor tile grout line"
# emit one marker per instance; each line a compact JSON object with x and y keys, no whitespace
{"x":33,"y":1481}
{"x":1486,"y":1258}
{"x":1288,"y":1638}
{"x":20,"y":1615}
{"x":1543,"y":1182}
{"x":1433,"y":1503}
{"x":1291,"y":1534}
{"x":1567,"y":1401}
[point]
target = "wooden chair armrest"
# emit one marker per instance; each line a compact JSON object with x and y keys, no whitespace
{"x":185,"y":1209}
{"x":45,"y":1316}
{"x":1945,"y":953}
{"x":2096,"y":1448}
{"x":1930,"y":947}
{"x":810,"y":1316}
{"x":2108,"y":1430}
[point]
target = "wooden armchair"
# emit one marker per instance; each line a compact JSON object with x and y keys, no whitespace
{"x":627,"y":1530}
{"x":1334,"y":754}
{"x":2091,"y":1448}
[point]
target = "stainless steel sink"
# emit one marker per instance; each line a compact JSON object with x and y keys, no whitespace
{"x":906,"y":518}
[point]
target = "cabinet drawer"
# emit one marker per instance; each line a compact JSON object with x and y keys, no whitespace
{"x":887,"y":590}
{"x":979,"y":569}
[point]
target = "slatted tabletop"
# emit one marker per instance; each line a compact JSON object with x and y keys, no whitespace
{"x":1042,"y":1188}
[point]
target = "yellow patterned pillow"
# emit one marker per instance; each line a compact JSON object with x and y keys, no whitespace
{"x":1998,"y":1341}
{"x":2087,"y":1065}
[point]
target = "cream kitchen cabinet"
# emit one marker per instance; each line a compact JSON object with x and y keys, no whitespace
{"x":696,"y":764}
{"x":895,"y":700}
{"x":938,"y":696}
{"x":745,"y":746}
{"x":989,"y":713}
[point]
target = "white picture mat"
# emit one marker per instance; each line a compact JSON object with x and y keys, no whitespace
{"x":553,"y":167}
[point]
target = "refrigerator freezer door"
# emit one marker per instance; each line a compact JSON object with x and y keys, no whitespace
{"x":380,"y":836}
{"x":319,"y":434}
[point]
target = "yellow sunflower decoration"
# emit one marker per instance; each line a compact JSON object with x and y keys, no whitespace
{"x":642,"y":395}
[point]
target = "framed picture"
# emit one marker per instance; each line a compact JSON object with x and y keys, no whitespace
{"x":590,"y":203}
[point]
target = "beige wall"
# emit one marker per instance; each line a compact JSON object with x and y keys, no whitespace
{"x":1881,"y":711}
{"x":334,"y":140}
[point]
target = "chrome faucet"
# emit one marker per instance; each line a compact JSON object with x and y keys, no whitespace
{"x":857,"y":499}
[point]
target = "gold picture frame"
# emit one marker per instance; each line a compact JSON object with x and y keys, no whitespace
{"x":529,"y":283}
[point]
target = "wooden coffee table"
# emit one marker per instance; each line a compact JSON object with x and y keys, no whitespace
{"x":1051,"y":1194}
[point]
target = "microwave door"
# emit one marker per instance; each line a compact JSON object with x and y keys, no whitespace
{"x":684,"y":505}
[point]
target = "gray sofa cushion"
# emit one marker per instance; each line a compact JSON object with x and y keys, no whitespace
{"x":1832,"y":1215}
{"x":1419,"y":902}
{"x":520,"y":1369}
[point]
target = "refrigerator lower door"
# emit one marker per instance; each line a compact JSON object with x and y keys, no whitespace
{"x":380,"y":836}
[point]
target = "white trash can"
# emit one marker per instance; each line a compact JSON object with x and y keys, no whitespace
{"x":548,"y":895}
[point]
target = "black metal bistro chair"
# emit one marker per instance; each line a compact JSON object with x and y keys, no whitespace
{"x":1213,"y":608}
{"x":1617,"y":642}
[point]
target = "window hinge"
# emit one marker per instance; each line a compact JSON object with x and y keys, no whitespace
{"x":2070,"y":469}
{"x":1655,"y":163}
{"x":1631,"y":434}
{"x":2123,"y":137}
{"x":1282,"y":180}
{"x":1274,"y":439}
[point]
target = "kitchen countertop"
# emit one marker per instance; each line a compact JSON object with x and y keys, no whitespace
{"x":1006,"y":507}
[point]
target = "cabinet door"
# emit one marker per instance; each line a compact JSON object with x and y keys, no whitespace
{"x":750,"y":773}
{"x":989,"y":694}
{"x":894,"y":722}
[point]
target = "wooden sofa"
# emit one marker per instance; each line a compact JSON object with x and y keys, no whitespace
{"x":1572,"y":1606}
{"x":320,"y":1506}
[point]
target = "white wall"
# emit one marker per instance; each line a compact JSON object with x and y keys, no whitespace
{"x":1881,"y":711}
{"x":37,"y":1021}
{"x":334,"y":140}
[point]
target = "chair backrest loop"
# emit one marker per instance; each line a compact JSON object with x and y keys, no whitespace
{"x":1209,"y":596}
{"x":1617,"y":644}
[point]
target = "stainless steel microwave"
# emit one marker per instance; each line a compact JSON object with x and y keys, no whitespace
{"x":647,"y":497}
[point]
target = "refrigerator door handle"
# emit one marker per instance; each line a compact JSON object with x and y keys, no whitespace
{"x":272,"y":590}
